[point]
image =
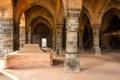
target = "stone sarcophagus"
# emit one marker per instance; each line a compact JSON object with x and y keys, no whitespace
{"x":30,"y":56}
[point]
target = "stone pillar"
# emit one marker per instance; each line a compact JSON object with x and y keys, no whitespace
{"x":81,"y":47}
{"x":26,"y":36}
{"x":96,"y":39}
{"x":16,"y":40}
{"x":29,"y":37}
{"x":71,"y":63}
{"x":59,"y":39}
{"x":54,"y":41}
{"x":32,"y":37}
{"x":22,"y":36}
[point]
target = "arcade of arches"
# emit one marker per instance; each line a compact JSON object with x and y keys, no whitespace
{"x":65,"y":25}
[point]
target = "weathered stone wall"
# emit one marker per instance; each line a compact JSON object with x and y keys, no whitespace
{"x":6,"y":36}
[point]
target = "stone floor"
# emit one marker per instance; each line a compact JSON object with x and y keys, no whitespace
{"x":104,"y":67}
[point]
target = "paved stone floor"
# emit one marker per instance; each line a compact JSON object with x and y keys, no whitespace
{"x":104,"y":67}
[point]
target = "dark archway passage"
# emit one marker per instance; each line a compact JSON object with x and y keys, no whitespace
{"x":87,"y":38}
{"x":114,"y":29}
{"x":110,"y":30}
{"x":42,"y":32}
{"x":114,"y":24}
{"x":87,"y":35}
{"x":114,"y":43}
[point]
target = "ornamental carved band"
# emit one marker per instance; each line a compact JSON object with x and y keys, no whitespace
{"x":73,"y":12}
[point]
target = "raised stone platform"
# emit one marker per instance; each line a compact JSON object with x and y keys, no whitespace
{"x":30,"y":56}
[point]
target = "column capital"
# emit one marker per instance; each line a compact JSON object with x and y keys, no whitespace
{"x":95,"y":26}
{"x":59,"y":25}
{"x":59,"y":29}
{"x":73,"y":12}
{"x":96,"y":31}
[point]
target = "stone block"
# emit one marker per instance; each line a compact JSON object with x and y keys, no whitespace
{"x":27,"y":59}
{"x":30,"y":48}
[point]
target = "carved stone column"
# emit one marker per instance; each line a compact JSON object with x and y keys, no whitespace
{"x":96,"y":39}
{"x":71,"y":58}
{"x":16,"y":40}
{"x":81,"y":47}
{"x":59,"y":39}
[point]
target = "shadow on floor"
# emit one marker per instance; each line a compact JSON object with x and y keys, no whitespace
{"x":57,"y":62}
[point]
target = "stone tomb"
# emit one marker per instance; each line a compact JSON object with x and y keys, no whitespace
{"x":30,"y":56}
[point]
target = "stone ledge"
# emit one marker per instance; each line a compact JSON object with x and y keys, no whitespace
{"x":30,"y":60}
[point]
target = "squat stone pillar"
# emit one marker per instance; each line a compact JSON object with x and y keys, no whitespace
{"x":81,"y":47}
{"x":71,"y":58}
{"x":59,"y":39}
{"x":96,"y":39}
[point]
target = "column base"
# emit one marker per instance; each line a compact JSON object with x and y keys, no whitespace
{"x":97,"y":50}
{"x":72,"y":64}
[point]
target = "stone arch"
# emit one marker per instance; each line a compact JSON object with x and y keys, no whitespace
{"x":18,"y":15}
{"x":40,"y":19}
{"x":85,"y":27}
{"x":115,"y":8}
{"x":107,"y":17}
{"x":110,"y":32}
{"x":42,"y":30}
{"x":42,"y":13}
{"x":48,"y":17}
{"x":83,"y":18}
{"x":18,"y":11}
{"x":86,"y":11}
{"x":43,"y":4}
